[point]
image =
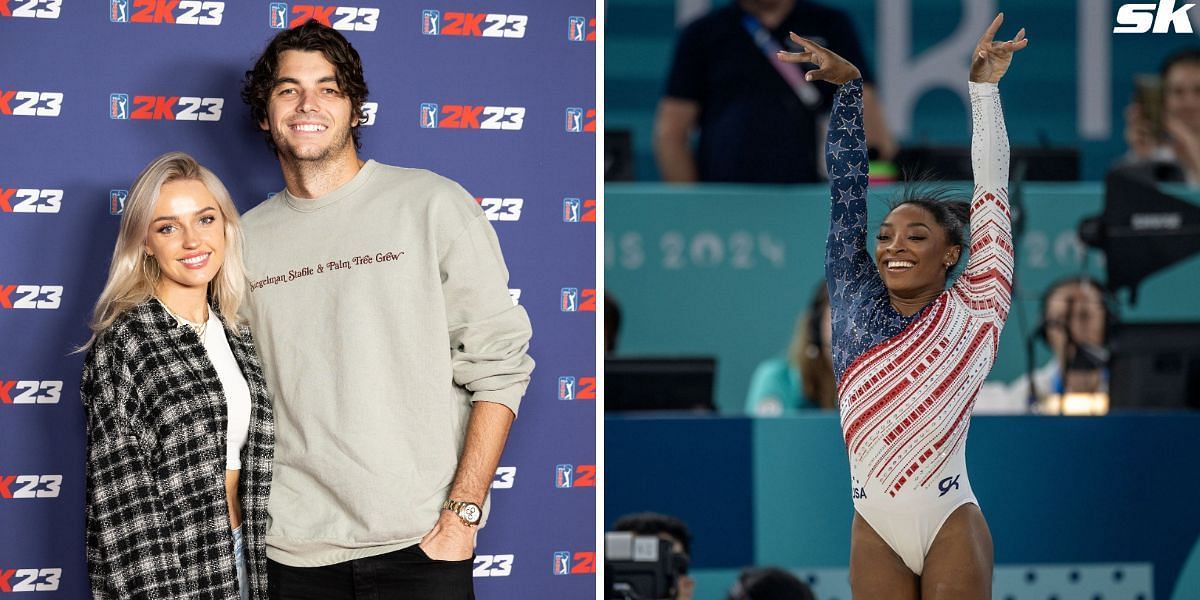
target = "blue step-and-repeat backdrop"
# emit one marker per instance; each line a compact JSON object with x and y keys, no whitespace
{"x":499,"y":96}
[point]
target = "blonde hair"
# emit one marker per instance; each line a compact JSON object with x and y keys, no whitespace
{"x":133,"y":273}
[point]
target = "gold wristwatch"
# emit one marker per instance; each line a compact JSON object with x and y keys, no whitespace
{"x":468,"y":512}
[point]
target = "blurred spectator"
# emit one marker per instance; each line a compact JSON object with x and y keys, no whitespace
{"x":769,"y":583}
{"x":612,"y":323}
{"x":759,"y":120}
{"x":804,"y":379}
{"x":1162,"y":125}
{"x":1076,"y":319}
{"x":668,"y":528}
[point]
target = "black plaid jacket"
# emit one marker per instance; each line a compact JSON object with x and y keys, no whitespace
{"x":157,"y":521}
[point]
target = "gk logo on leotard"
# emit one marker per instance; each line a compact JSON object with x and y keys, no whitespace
{"x":947,"y":484}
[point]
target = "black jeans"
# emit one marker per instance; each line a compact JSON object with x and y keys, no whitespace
{"x":407,"y":574}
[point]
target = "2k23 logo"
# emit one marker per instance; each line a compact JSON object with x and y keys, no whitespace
{"x":342,"y":18}
{"x":505,"y":478}
{"x":30,"y":104}
{"x":31,"y":486}
{"x":29,"y":200}
{"x":165,"y":108}
{"x":581,"y":29}
{"x":502,"y":209}
{"x":579,"y":211}
{"x":1160,"y":18}
{"x":434,"y":22}
{"x":29,"y":580}
{"x":574,"y":476}
{"x":31,"y":9}
{"x":570,"y":300}
{"x":581,"y":121}
{"x":44,"y":297}
{"x":30,"y":392}
{"x":584,"y":563}
{"x":176,"y":12}
{"x":576,"y":388}
{"x":463,"y":116}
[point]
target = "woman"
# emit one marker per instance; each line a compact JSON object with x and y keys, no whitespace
{"x":910,"y":354}
{"x":804,"y":378}
{"x":179,"y":422}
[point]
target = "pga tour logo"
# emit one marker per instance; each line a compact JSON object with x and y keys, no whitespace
{"x":278,"y":17}
{"x":116,"y":201}
{"x":574,"y":120}
{"x":562,"y":563}
{"x":571,"y":207}
{"x":566,"y":387}
{"x":1155,"y":18}
{"x":431,"y":22}
{"x":118,"y":106}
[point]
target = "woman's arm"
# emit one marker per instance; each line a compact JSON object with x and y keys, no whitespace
{"x":988,"y":276}
{"x":846,"y":258}
{"x":129,"y":550}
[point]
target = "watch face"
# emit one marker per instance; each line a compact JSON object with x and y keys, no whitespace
{"x":470,"y":512}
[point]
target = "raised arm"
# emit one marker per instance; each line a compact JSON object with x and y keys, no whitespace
{"x":987,"y":279}
{"x":847,"y":261}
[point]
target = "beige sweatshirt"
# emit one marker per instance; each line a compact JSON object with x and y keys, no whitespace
{"x":381,"y":311}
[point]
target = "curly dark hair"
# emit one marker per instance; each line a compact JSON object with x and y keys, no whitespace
{"x":312,"y":36}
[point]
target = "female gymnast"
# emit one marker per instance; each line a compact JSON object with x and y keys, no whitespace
{"x":910,"y":353}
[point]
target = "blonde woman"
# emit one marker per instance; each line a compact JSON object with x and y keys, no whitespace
{"x":179,"y":423}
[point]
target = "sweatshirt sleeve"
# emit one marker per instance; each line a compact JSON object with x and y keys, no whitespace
{"x":489,"y":334}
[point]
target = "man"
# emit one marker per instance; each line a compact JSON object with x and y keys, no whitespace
{"x":671,"y":529}
{"x":758,"y":119}
{"x":396,"y":358}
{"x":1164,"y":137}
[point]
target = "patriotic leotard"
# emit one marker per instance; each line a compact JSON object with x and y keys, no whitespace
{"x":907,"y":385}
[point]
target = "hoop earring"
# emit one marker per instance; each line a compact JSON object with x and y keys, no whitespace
{"x":152,"y":277}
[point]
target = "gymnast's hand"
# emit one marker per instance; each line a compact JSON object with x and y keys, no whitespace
{"x":991,"y":59}
{"x":830,"y":66}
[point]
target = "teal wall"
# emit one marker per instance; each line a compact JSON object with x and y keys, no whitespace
{"x":1094,"y":507}
{"x":1041,"y":96}
{"x":723,"y":270}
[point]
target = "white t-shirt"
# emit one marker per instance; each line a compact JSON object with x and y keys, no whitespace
{"x":237,"y":393}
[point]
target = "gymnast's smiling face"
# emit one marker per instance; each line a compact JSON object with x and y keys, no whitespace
{"x":913,"y":252}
